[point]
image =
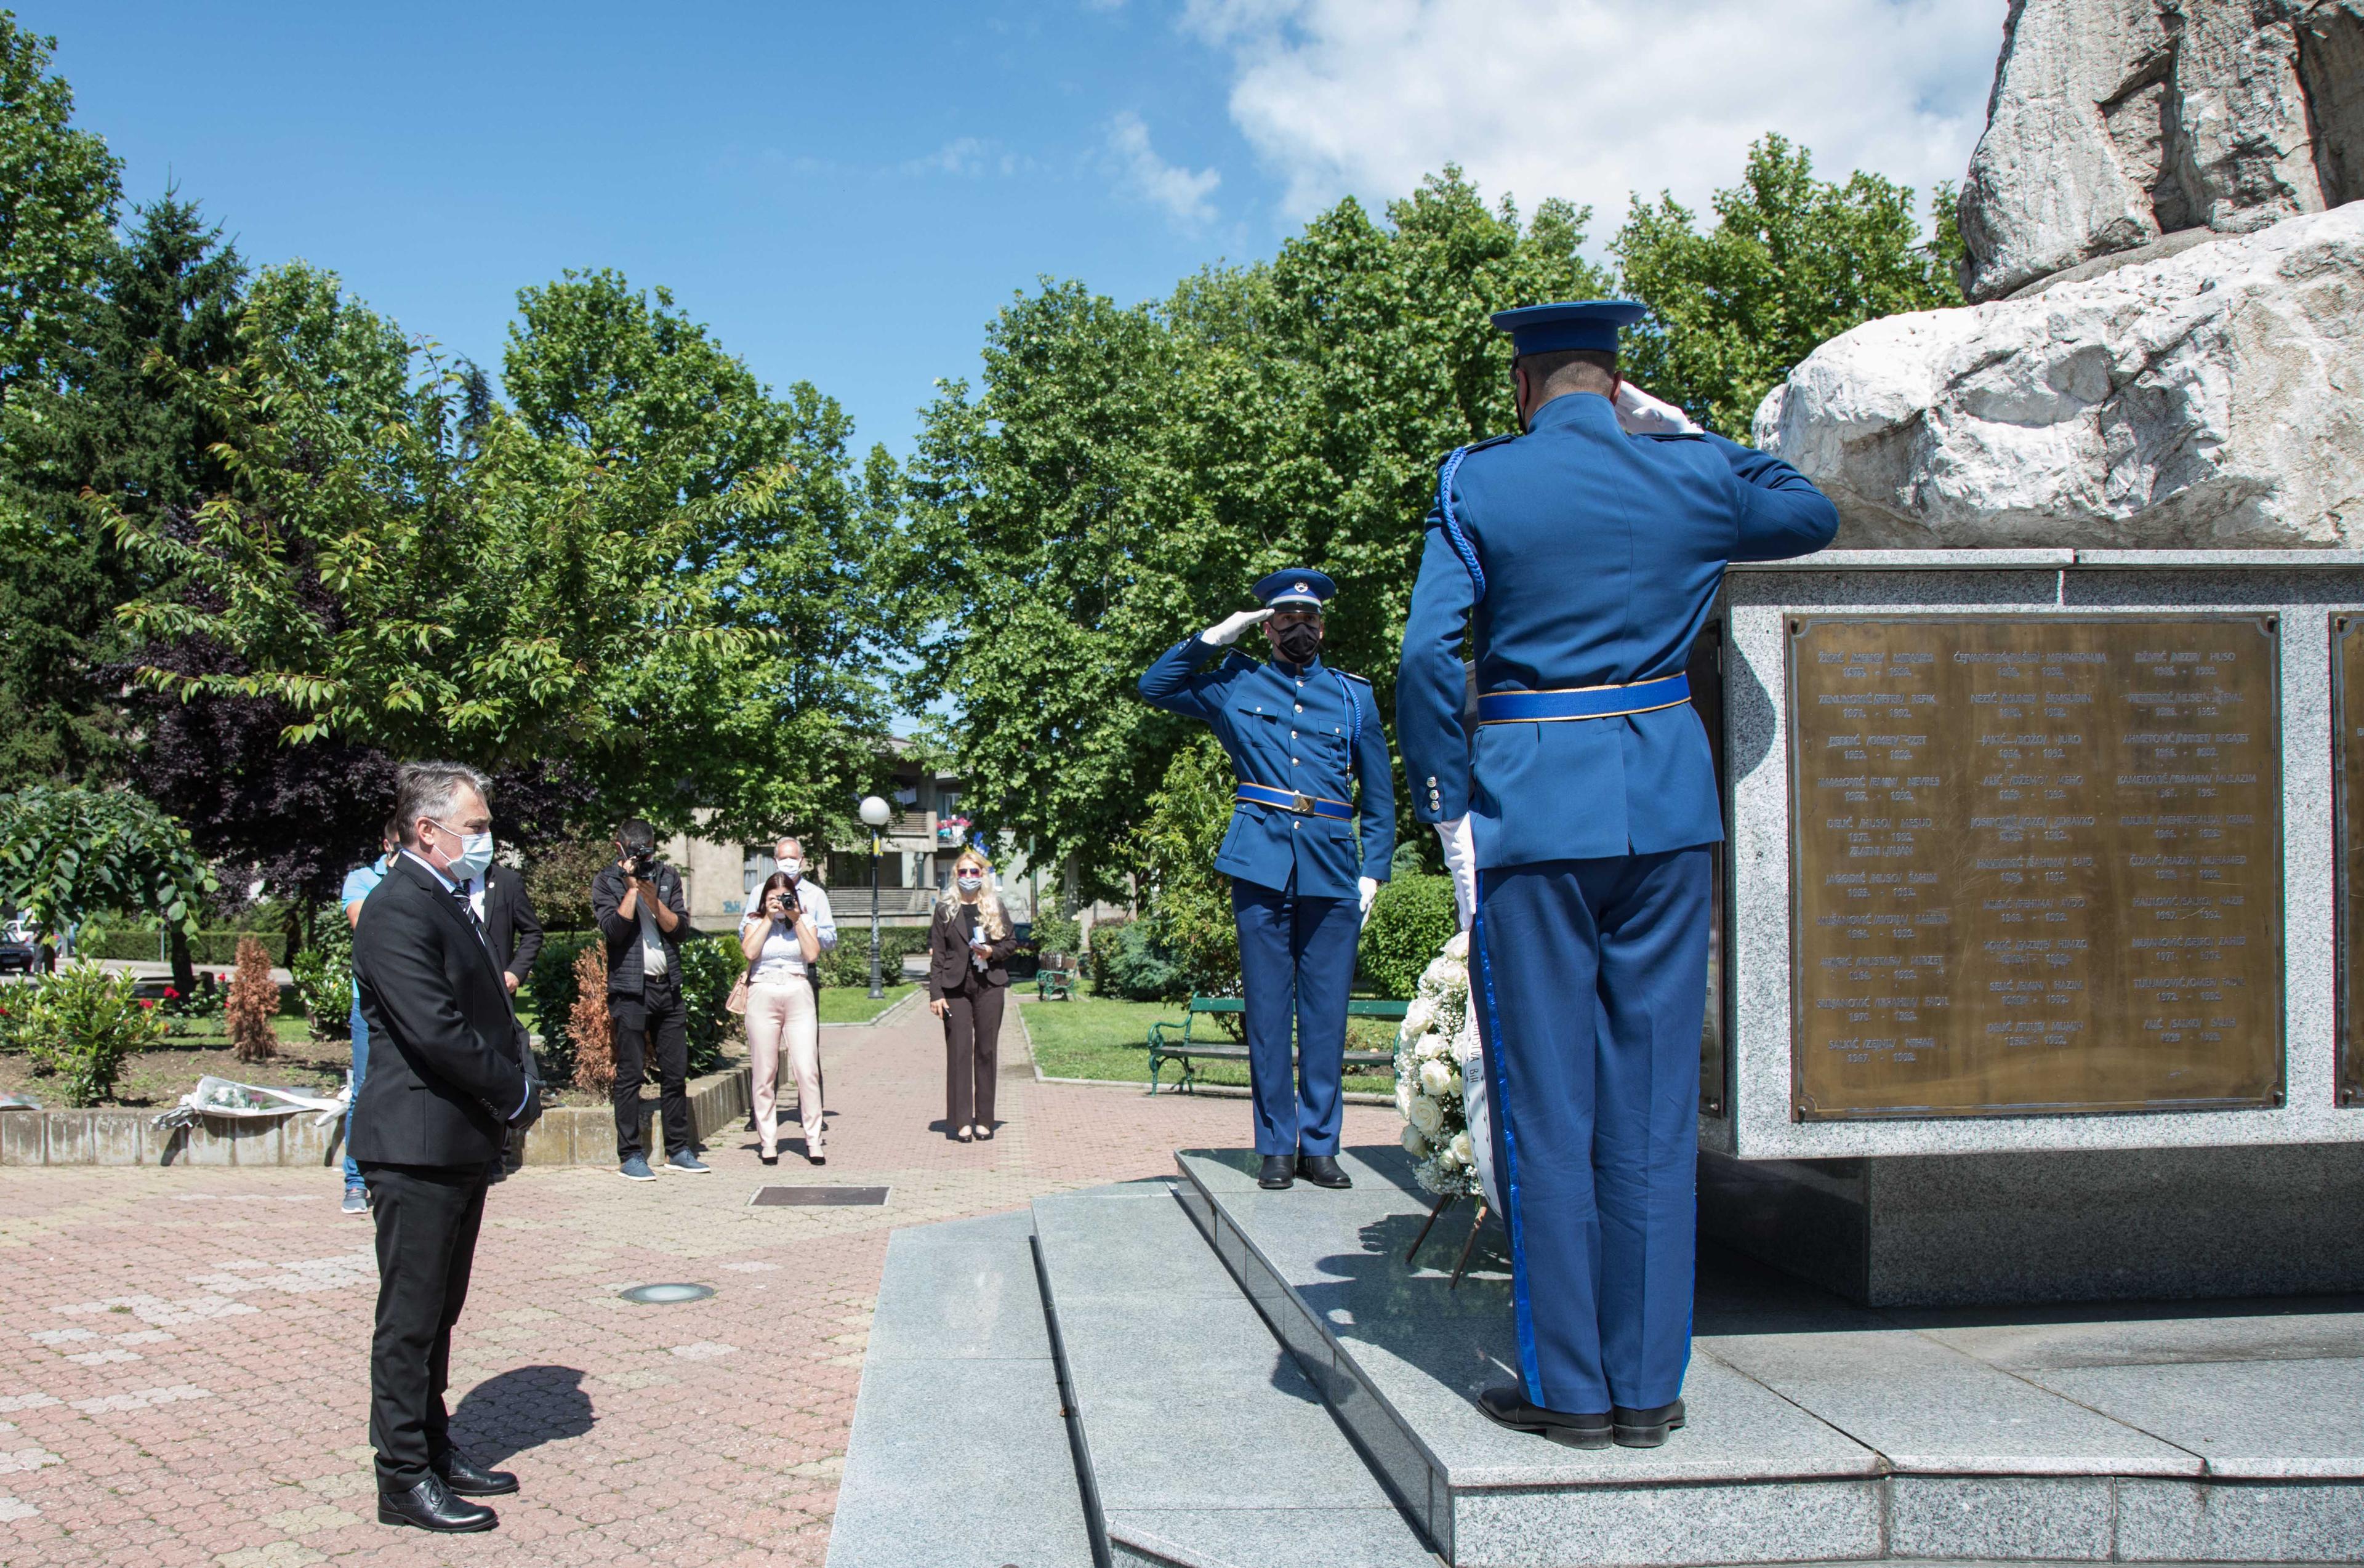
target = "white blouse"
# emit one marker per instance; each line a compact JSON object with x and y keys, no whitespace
{"x":780,"y":960}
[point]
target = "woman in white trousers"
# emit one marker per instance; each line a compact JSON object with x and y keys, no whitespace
{"x":782,"y":1017}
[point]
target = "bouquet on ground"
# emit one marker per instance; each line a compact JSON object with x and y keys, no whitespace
{"x":1441,"y":1078}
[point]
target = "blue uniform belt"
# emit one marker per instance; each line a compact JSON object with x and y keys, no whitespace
{"x":1584,"y":702}
{"x":1289,"y":800}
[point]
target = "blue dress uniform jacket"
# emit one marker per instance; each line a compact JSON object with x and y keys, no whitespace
{"x":1602,"y":553}
{"x":1292,"y":730}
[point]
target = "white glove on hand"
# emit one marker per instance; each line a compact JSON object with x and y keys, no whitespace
{"x":1461,"y":865}
{"x":1225,"y":632}
{"x":1642,"y":415}
{"x":1367,"y":888}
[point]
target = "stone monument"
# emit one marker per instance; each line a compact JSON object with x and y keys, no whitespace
{"x":2038,"y":980}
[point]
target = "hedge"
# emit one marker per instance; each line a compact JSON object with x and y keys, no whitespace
{"x":205,"y":947}
{"x":1411,"y":921}
{"x":710,"y":966}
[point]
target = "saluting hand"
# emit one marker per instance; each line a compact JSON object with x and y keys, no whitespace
{"x":1225,"y":632}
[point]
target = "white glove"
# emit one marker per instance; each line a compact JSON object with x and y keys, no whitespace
{"x":1642,"y":415}
{"x":1461,"y":865}
{"x":1367,"y":888}
{"x":1225,"y":632}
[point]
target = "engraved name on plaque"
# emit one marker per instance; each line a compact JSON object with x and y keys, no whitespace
{"x":2037,"y":865}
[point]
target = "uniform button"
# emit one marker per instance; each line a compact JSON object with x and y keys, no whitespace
{"x":1292,"y":735}
{"x":1432,"y":781}
{"x":1295,"y":826}
{"x":1292,"y":761}
{"x":1300,"y":707}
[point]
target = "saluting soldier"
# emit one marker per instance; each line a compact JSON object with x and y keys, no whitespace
{"x":1301,"y":736}
{"x":1577,"y":809}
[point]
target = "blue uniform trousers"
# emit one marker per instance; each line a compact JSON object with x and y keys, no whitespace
{"x":1296,"y":957}
{"x":360,"y":1066}
{"x":1591,"y":978}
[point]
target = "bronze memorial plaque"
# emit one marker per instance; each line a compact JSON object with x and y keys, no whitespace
{"x":2036,"y":864}
{"x":2347,"y":756}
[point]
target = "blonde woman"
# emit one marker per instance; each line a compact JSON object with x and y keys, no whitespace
{"x":781,"y":944}
{"x":968,"y":946}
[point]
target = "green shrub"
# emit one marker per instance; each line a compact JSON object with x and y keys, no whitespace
{"x":323,"y":973}
{"x":80,"y":1024}
{"x":1411,"y":920}
{"x":848,"y":963}
{"x":710,"y":966}
{"x":1057,"y":933}
{"x":1130,"y":964}
{"x":141,"y":944}
{"x":549,"y":992}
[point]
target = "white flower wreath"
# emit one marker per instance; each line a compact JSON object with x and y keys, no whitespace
{"x":1441,"y":1079}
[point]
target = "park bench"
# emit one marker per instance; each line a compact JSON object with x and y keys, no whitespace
{"x":1055,"y":980}
{"x":1165,"y":1044}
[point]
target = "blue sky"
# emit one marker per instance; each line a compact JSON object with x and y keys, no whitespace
{"x":846,"y":194}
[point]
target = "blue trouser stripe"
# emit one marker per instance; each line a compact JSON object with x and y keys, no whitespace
{"x":1595,"y":983}
{"x":1296,"y":964}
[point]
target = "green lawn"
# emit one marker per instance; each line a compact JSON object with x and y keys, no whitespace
{"x":1094,"y":1037}
{"x":852,"y":1004}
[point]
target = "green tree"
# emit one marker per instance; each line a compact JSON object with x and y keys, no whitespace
{"x":1792,"y":263}
{"x":640,"y":570}
{"x":117,"y":422}
{"x":1124,"y":474}
{"x":58,"y":190}
{"x":68,"y":854}
{"x":1189,"y":901}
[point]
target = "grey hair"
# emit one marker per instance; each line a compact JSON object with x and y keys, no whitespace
{"x":431,"y":789}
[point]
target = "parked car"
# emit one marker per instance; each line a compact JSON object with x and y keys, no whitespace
{"x":17,"y":951}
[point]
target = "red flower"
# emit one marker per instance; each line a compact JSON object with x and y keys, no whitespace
{"x":171,"y":995}
{"x":147,"y":1002}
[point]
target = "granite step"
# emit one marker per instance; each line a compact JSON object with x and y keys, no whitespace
{"x":960,"y":1452}
{"x":1819,"y":1429}
{"x":1207,"y":1445}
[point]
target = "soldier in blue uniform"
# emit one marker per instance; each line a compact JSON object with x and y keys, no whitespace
{"x":1577,"y":806}
{"x":1301,"y":734}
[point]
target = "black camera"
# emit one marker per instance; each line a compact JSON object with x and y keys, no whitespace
{"x":789,"y":907}
{"x":641,"y":861}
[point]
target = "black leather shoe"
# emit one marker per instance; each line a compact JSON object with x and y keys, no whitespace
{"x":1278,"y":1173}
{"x":466,"y":1479}
{"x":1645,"y":1428}
{"x":431,"y":1506}
{"x":1322,"y":1170}
{"x":1506,"y":1405}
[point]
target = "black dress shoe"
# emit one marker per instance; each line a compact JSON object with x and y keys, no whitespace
{"x":1645,"y":1428}
{"x":1506,"y":1405}
{"x":431,"y":1506}
{"x":1322,"y":1170}
{"x":1278,"y":1173}
{"x":466,"y":1479}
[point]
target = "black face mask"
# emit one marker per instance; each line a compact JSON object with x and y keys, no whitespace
{"x":1298,"y":643}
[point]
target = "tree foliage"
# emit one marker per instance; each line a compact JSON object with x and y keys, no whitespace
{"x":1189,"y":901}
{"x":1792,"y":263}
{"x":67,"y":853}
{"x":1123,"y":474}
{"x":58,"y":186}
{"x":640,"y":569}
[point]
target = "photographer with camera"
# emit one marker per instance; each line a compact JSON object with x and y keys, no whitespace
{"x":782,"y":941}
{"x":641,"y":913}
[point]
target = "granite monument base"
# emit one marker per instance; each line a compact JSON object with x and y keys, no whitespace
{"x":2097,"y":1225}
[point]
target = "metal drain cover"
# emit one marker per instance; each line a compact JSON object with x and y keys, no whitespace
{"x":666,"y":1295}
{"x":816,"y":1197}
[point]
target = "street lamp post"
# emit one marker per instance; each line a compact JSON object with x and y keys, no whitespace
{"x":873,"y":814}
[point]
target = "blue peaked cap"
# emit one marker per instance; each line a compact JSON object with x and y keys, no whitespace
{"x":1570,"y":323}
{"x":1298,"y":585}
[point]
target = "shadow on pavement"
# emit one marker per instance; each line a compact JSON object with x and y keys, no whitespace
{"x":521,"y":1408}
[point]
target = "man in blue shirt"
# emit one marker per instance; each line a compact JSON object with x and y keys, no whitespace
{"x":1300,"y":735}
{"x":1577,"y":806}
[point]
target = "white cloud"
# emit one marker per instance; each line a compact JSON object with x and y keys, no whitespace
{"x":1594,"y":99}
{"x":1182,"y":194}
{"x":962,"y":155}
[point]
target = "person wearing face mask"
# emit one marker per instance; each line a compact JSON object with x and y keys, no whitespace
{"x":447,"y":1076}
{"x":969,"y":944}
{"x":1302,"y":736}
{"x":788,"y":860}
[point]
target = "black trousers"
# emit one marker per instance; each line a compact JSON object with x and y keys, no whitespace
{"x":653,"y":1023}
{"x":972,"y":1050}
{"x":427,"y":1216}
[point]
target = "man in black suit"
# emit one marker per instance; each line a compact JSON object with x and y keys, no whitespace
{"x":513,"y":931}
{"x":448,"y":1074}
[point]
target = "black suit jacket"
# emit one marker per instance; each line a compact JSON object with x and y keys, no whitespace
{"x":948,"y":955}
{"x":446,"y":1069}
{"x":510,"y":924}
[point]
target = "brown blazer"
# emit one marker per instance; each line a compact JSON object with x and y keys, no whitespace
{"x":948,"y":961}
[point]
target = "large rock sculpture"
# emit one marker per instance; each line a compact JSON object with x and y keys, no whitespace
{"x":2211,"y":397}
{"x":2115,"y":123}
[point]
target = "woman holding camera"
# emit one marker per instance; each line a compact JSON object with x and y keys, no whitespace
{"x":968,"y":944}
{"x":781,"y":945}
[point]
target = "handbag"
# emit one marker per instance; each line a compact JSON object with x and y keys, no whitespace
{"x":737,"y":1001}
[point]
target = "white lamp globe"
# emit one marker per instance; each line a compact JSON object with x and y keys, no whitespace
{"x":874,"y":811}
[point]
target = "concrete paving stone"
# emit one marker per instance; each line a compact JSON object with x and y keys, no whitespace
{"x":1928,"y":1408}
{"x":2257,"y":1420}
{"x":24,"y":1136}
{"x":1100,"y":1237}
{"x":2241,"y":1333}
{"x":1619,"y":1526}
{"x":1349,"y":1538}
{"x":68,"y":1139}
{"x":962,"y":1289}
{"x":2184,"y":1521}
{"x":116,"y":1139}
{"x":2058,"y":1519}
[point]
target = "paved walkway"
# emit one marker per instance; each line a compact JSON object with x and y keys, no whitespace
{"x":183,"y":1352}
